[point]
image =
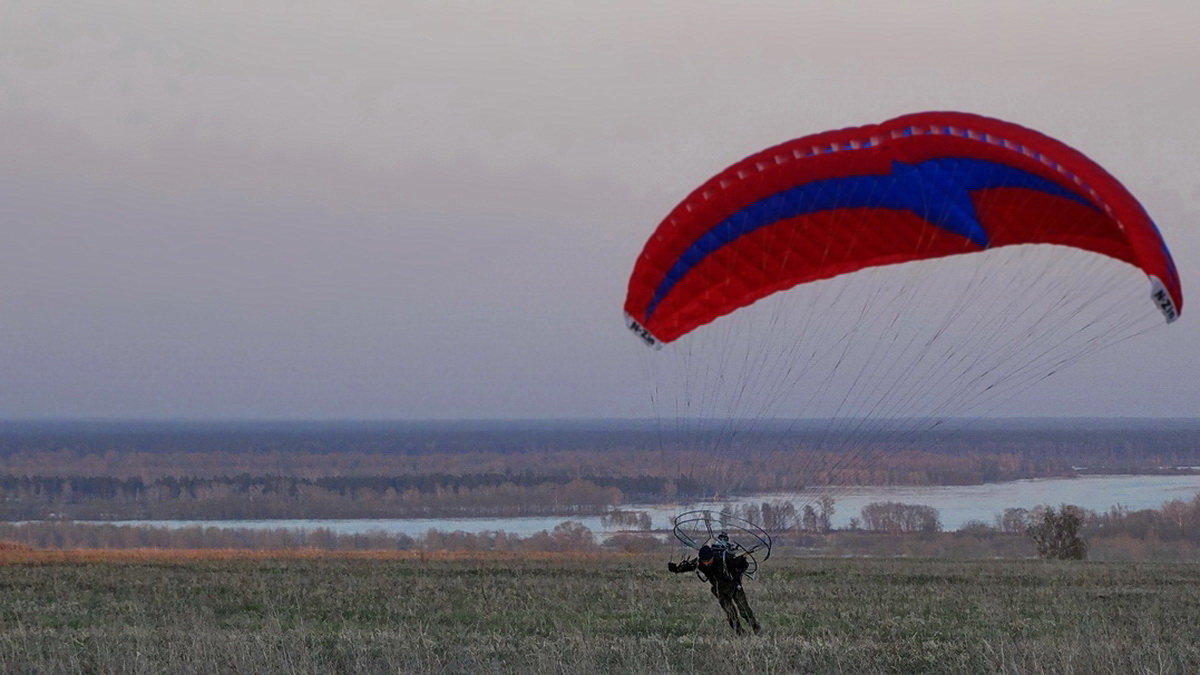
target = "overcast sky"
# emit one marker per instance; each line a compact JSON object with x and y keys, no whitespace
{"x":409,"y":210}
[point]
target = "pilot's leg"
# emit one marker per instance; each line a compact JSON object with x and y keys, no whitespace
{"x":731,"y":612}
{"x":743,"y":605}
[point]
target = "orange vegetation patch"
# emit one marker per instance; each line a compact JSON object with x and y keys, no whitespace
{"x":20,"y":554}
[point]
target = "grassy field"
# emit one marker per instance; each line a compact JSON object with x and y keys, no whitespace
{"x":153,"y":613}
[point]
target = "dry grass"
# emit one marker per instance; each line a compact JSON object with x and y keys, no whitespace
{"x":7,"y":546}
{"x":309,"y":611}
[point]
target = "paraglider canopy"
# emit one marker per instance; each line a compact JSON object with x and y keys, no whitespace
{"x":918,"y":187}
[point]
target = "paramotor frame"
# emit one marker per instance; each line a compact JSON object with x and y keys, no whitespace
{"x":725,"y":533}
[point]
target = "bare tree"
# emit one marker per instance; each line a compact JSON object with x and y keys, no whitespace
{"x":809,"y":518}
{"x":825,"y":513}
{"x":1013,"y":521}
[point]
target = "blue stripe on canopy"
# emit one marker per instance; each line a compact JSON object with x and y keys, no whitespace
{"x":936,"y":190}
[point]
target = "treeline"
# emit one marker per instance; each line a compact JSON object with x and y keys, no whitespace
{"x":781,"y":456}
{"x":566,"y":536}
{"x":1117,"y":533}
{"x":1117,"y":439}
{"x":1170,"y":533}
{"x":783,"y":518}
{"x":693,"y":472}
{"x":262,"y":497}
{"x":1176,"y":520}
{"x":899,"y":518}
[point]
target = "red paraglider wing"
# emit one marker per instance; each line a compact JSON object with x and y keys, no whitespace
{"x":916,"y":187}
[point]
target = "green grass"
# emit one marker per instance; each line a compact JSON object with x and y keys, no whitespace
{"x":603,"y":615}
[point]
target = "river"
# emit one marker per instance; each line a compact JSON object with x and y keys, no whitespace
{"x":957,"y":505}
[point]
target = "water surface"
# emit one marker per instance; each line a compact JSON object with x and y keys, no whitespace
{"x":957,"y":505}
